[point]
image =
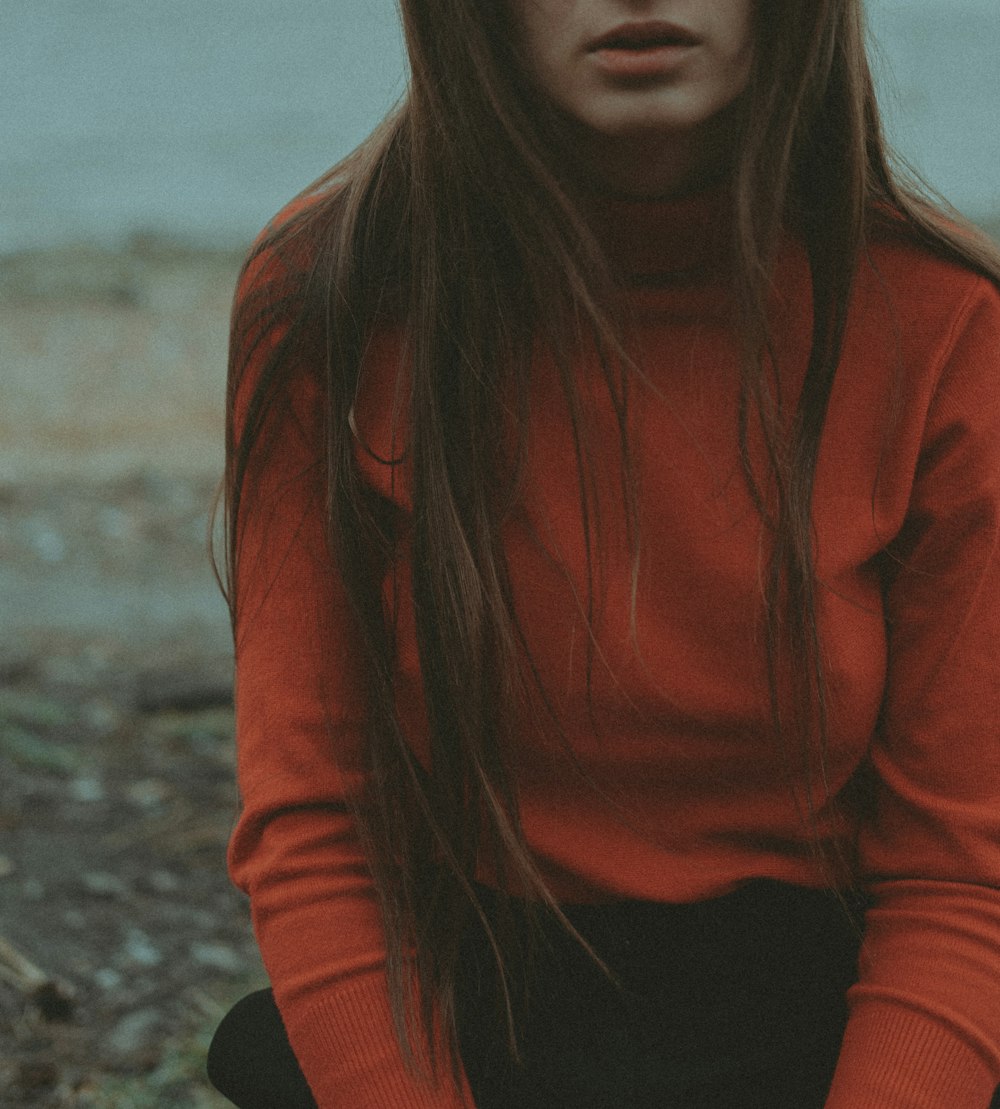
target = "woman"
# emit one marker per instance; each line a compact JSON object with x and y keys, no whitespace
{"x":613,"y":504}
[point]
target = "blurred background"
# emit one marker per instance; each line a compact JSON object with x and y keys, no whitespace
{"x":142,"y":146}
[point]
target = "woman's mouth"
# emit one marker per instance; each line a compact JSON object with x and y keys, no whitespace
{"x":645,"y":49}
{"x":645,"y":34}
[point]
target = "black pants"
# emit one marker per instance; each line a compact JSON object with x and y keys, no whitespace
{"x":733,"y":1003}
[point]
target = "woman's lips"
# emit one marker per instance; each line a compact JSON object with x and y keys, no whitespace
{"x":644,"y":34}
{"x":639,"y":50}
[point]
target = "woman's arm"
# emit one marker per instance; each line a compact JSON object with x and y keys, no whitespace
{"x":299,"y":735}
{"x":924,"y":1031}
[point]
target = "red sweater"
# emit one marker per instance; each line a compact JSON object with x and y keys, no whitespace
{"x":907,"y":517}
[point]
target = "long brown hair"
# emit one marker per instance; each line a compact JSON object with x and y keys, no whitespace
{"x":455,"y":219}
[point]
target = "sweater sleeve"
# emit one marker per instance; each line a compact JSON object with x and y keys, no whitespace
{"x":924,"y":1029}
{"x":298,"y":720}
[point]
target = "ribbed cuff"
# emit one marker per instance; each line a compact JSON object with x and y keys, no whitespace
{"x":348,"y":1050}
{"x":896,"y":1057}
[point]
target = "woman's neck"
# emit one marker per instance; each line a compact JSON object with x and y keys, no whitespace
{"x":654,"y":165}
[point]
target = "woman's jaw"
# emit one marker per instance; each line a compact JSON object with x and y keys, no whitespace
{"x":645,"y":92}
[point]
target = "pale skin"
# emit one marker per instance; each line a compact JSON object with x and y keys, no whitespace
{"x":644,"y":121}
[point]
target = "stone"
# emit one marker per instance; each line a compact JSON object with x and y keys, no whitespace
{"x":147,"y":793}
{"x":163,"y":881}
{"x":88,"y":790}
{"x":134,"y":1031}
{"x":217,"y":956}
{"x":107,"y":979}
{"x":102,"y":884}
{"x":140,"y":950}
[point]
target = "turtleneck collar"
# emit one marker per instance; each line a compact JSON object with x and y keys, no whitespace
{"x":656,"y":243}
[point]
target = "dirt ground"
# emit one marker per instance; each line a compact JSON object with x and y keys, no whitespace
{"x":121,"y":940}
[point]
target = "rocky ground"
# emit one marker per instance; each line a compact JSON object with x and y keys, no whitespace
{"x":121,"y":940}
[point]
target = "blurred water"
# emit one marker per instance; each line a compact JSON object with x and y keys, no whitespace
{"x":197,"y":120}
{"x":193,"y":118}
{"x":938,"y":66}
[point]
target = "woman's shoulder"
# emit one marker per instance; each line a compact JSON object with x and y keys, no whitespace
{"x":286,"y":250}
{"x":934,"y":304}
{"x":928,"y":285}
{"x":293,"y":260}
{"x":935,"y":266}
{"x":271,"y":344}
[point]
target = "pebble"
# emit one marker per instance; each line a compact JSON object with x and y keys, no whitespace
{"x":147,"y":793}
{"x":134,"y":1031}
{"x":101,"y":717}
{"x":163,"y":881}
{"x":140,"y":949}
{"x":107,"y":979}
{"x":7,"y":866}
{"x":114,"y":523}
{"x":102,"y":884}
{"x":48,"y":543}
{"x":88,"y":790}
{"x":218,"y":956}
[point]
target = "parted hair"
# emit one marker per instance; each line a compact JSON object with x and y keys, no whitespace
{"x":459,"y":220}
